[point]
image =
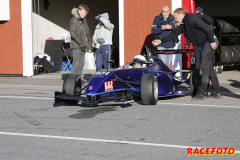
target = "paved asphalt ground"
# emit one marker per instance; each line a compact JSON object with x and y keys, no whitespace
{"x":31,"y":128}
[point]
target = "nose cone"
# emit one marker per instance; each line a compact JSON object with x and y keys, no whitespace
{"x":99,"y":81}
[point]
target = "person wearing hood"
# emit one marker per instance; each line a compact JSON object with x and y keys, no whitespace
{"x":102,"y":40}
{"x":81,"y":41}
{"x":162,"y":26}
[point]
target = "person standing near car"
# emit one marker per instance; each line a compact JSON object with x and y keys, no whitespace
{"x":81,"y":41}
{"x":199,"y":34}
{"x":162,"y":26}
{"x":198,"y":50}
{"x":102,"y":40}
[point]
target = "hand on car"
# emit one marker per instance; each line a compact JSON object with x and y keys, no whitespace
{"x":156,"y":42}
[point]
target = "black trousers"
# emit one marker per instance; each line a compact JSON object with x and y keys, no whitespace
{"x":198,"y":51}
{"x":207,"y":71}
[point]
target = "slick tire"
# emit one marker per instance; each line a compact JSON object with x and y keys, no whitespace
{"x":71,"y":85}
{"x":149,"y":89}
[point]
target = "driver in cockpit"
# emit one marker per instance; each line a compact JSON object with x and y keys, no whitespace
{"x":138,"y":62}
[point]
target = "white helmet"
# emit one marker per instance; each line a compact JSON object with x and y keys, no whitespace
{"x":140,"y":59}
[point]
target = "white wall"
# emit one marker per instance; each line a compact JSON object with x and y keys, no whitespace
{"x":4,"y":10}
{"x":27,"y":43}
{"x":121,"y":31}
{"x":42,"y":30}
{"x":177,"y":58}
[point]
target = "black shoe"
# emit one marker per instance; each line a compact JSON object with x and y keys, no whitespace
{"x":215,"y":95}
{"x":198,"y":97}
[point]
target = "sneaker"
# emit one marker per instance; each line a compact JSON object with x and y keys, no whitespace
{"x":215,"y":95}
{"x":198,"y":97}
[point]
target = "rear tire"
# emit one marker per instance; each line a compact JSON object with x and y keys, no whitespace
{"x":72,"y":85}
{"x":149,"y":89}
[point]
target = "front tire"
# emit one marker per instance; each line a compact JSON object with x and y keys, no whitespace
{"x":149,"y":89}
{"x":72,"y":85}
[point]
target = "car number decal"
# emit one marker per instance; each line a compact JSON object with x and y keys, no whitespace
{"x":108,"y":86}
{"x":102,"y":73}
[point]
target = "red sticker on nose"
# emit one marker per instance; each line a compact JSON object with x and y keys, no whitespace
{"x":108,"y":86}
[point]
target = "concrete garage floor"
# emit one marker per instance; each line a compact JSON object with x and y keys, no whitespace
{"x":31,"y":127}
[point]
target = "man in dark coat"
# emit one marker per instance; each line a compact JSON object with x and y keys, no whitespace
{"x":199,"y":34}
{"x":162,"y":26}
{"x":81,"y":40}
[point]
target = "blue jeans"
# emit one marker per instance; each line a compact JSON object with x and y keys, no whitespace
{"x":166,"y":59}
{"x":103,"y":54}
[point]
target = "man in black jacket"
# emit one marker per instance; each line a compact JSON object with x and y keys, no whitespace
{"x":199,"y":34}
{"x":198,"y":50}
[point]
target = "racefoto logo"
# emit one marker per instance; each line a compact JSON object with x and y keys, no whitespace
{"x":210,"y":151}
{"x":108,"y":86}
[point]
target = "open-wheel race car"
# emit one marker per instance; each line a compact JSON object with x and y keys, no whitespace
{"x":146,"y":82}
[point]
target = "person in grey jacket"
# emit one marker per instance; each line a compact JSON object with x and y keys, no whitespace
{"x":102,"y":40}
{"x":81,"y":41}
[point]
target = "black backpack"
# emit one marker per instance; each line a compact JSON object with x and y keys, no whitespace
{"x":47,"y":67}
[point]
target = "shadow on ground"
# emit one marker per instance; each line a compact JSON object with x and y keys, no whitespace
{"x":93,"y":111}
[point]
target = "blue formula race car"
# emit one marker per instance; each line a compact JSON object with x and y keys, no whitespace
{"x":146,"y":78}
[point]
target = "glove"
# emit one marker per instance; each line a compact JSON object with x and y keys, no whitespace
{"x":97,"y":17}
{"x":100,"y":40}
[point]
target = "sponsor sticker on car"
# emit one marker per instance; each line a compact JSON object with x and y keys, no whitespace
{"x":101,"y":74}
{"x":108,"y":86}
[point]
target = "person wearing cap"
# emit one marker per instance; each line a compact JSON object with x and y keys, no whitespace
{"x":102,"y":40}
{"x":199,"y":34}
{"x":162,"y":26}
{"x":81,"y":41}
